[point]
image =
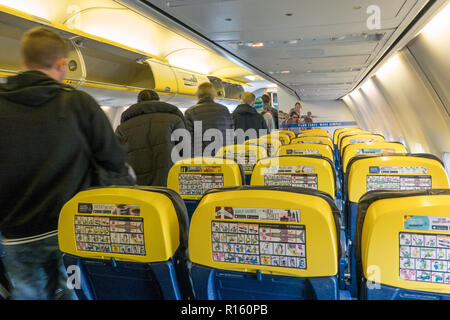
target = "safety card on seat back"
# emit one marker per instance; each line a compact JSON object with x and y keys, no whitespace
{"x":273,"y":230}
{"x":406,"y":234}
{"x":124,"y":223}
{"x":192,"y":177}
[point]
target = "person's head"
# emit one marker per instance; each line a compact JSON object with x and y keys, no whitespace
{"x":298,"y":106}
{"x":259,"y":106}
{"x":309,"y":114}
{"x":266,"y":99}
{"x":294,"y":115}
{"x":248,"y":98}
{"x":206,"y":90}
{"x":45,"y":51}
{"x":147,"y":95}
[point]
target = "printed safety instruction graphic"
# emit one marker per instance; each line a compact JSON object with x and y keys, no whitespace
{"x":195,"y":180}
{"x":246,"y":158}
{"x":123,"y":235}
{"x":424,"y":257}
{"x":265,"y":244}
{"x":398,"y":182}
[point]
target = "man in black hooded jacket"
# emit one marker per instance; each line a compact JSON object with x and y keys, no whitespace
{"x":145,"y":131}
{"x":46,"y":129}
{"x":245,"y":117}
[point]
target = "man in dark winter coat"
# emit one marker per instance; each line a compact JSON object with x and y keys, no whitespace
{"x":209,"y":115}
{"x":48,"y":133}
{"x":145,"y":131}
{"x":245,"y":117}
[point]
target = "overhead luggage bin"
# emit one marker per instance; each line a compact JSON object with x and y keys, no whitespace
{"x":265,"y":243}
{"x":402,"y":245}
{"x":312,"y":172}
{"x":375,"y":148}
{"x":190,"y":178}
{"x":270,"y":143}
{"x":245,"y":155}
{"x":127,"y":243}
{"x":314,"y":139}
{"x":306,"y":149}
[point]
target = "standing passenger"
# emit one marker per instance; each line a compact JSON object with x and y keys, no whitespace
{"x":267,"y":115}
{"x":46,"y":129}
{"x":145,"y":130}
{"x":245,"y":117}
{"x":208,"y":115}
{"x":268,"y":107}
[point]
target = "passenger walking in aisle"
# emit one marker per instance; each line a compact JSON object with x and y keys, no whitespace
{"x":268,"y":107}
{"x":44,"y":128}
{"x":145,"y":131}
{"x":246,"y":117}
{"x":267,"y":115}
{"x":207,"y":114}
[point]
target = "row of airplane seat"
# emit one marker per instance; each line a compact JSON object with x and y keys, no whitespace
{"x":350,"y":217}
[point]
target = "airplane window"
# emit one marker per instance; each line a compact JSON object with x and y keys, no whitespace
{"x":446,"y":158}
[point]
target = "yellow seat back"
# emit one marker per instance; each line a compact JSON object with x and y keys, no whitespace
{"x":192,"y":177}
{"x":289,"y":133}
{"x":296,"y":171}
{"x":376,"y":148}
{"x":127,"y":224}
{"x":270,"y":143}
{"x":360,"y":138}
{"x":405,"y":239}
{"x":338,"y":131}
{"x":283,"y":137}
{"x":244,"y":154}
{"x":344,"y":134}
{"x":312,"y":139}
{"x":315,"y":133}
{"x":407,"y":172}
{"x":306,"y":149}
{"x":274,"y":231}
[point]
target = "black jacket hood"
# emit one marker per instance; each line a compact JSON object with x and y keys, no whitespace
{"x":148,"y":107}
{"x":245,"y":109}
{"x":30,"y":88}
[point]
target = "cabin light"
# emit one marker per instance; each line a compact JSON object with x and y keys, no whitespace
{"x":251,"y":78}
{"x":257,"y":45}
{"x":32,"y":7}
{"x":272,"y":85}
{"x":286,"y":71}
{"x":390,"y":66}
{"x":439,"y":24}
{"x":196,"y":60}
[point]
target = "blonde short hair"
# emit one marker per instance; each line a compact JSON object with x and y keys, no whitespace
{"x":205,"y":90}
{"x":248,"y":98}
{"x":42,"y":47}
